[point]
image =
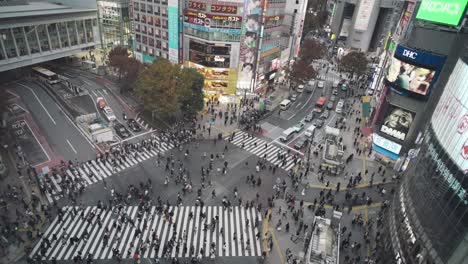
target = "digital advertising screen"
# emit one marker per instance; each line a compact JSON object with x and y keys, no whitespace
{"x":413,"y":72}
{"x":397,"y":122}
{"x":448,"y":12}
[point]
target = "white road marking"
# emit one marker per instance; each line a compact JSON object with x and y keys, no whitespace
{"x":40,"y":102}
{"x":71,"y":146}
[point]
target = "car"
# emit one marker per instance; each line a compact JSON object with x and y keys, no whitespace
{"x":109,"y":114}
{"x":133,"y":125}
{"x":309,"y":117}
{"x":344,"y":87}
{"x":319,"y":122}
{"x":335,"y":92}
{"x":121,"y":130}
{"x":299,"y":126}
{"x":293,"y":97}
{"x":101,"y":103}
{"x":330,"y":105}
{"x":325,"y":115}
{"x":301,"y":142}
{"x":320,"y":84}
{"x":333,"y":98}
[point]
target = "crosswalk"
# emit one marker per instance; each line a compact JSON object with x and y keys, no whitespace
{"x":101,"y":170}
{"x":327,"y":77}
{"x":261,"y":147}
{"x":228,"y":232}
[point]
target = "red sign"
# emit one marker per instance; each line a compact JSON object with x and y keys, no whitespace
{"x":224,"y":9}
{"x":197,"y":5}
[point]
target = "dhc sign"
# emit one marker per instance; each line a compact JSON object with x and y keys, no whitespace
{"x":410,"y":54}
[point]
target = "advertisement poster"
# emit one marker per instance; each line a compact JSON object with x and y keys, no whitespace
{"x":449,"y":12}
{"x":217,"y":80}
{"x":397,"y":122}
{"x":450,"y":118}
{"x":410,"y":77}
{"x":249,"y":42}
{"x":364,"y":14}
{"x":173,"y":23}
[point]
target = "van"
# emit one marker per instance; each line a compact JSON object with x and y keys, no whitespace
{"x":310,"y":86}
{"x":300,"y":88}
{"x":339,"y":107}
{"x":285,"y":104}
{"x":320,"y":84}
{"x":310,"y":131}
{"x":288,"y":134}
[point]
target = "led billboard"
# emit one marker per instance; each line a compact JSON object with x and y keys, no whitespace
{"x":397,"y":122}
{"x":413,"y":72}
{"x":449,"y":12}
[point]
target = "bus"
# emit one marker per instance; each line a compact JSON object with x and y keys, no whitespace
{"x":46,"y":75}
{"x":320,"y":104}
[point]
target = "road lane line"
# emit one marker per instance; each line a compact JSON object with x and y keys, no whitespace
{"x":71,"y":146}
{"x":40,"y":102}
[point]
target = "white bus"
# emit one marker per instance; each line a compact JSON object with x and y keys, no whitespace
{"x":46,"y":75}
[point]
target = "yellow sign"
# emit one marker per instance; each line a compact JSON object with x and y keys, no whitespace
{"x":333,"y":37}
{"x":217,"y":80}
{"x":270,"y":52}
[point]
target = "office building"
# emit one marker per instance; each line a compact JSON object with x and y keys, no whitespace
{"x":115,"y":24}
{"x":363,"y":24}
{"x":35,"y":32}
{"x":157,"y":29}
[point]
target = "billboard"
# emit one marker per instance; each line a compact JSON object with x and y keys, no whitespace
{"x":217,"y":80}
{"x":364,"y":14}
{"x":413,"y":72}
{"x":249,"y":43}
{"x":450,"y":118}
{"x":173,"y":30}
{"x":448,"y":12}
{"x":397,"y":122}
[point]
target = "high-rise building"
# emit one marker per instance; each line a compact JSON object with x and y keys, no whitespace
{"x":32,"y":32}
{"x":114,"y":23}
{"x":363,"y":24}
{"x":157,"y":29}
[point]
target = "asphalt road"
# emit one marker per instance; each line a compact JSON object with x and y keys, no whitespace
{"x":58,"y":129}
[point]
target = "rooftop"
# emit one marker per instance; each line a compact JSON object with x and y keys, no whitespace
{"x":37,"y":9}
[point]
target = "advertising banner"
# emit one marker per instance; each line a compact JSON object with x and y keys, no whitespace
{"x":224,"y":9}
{"x":210,"y":29}
{"x":397,"y":122}
{"x":249,"y":42}
{"x":450,"y":118}
{"x":405,"y":19}
{"x":449,"y":12}
{"x":196,"y":5}
{"x":217,"y":80}
{"x":173,"y":30}
{"x":364,"y":14}
{"x":203,"y":19}
{"x":413,"y":72}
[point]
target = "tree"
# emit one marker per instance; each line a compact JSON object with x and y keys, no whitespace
{"x":167,"y":89}
{"x":132,"y":69}
{"x":354,"y":63}
{"x":311,"y":50}
{"x":300,"y":72}
{"x":118,"y":58}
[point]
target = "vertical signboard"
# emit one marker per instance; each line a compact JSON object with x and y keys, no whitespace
{"x":173,"y":30}
{"x":364,"y":14}
{"x":249,"y":43}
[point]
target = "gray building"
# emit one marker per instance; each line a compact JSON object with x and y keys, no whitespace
{"x":34,"y":32}
{"x":363,"y":24}
{"x":115,"y":23}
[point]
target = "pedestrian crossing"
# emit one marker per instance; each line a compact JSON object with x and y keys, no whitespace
{"x":261,"y":148}
{"x":327,"y":77}
{"x":191,"y":231}
{"x":97,"y":170}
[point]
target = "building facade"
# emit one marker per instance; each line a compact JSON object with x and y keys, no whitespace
{"x":35,"y":32}
{"x":157,"y":29}
{"x":115,"y":24}
{"x":363,"y":24}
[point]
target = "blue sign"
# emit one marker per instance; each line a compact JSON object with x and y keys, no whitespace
{"x":419,"y":57}
{"x":216,"y":30}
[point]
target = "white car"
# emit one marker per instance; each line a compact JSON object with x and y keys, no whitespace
{"x":320,"y":84}
{"x":109,"y":114}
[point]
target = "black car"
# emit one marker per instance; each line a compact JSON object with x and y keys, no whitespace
{"x":301,"y":142}
{"x":133,"y":125}
{"x":121,"y":130}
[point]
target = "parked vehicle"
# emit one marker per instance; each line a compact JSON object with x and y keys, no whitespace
{"x":293,"y":97}
{"x":330,"y":105}
{"x":300,"y":88}
{"x":309,"y":117}
{"x":109,"y":114}
{"x":319,"y":122}
{"x":310,"y":131}
{"x":320,"y":84}
{"x":325,"y":115}
{"x":101,"y":103}
{"x":285,"y":104}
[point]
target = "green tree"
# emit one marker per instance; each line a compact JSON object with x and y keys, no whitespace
{"x":311,"y":50}
{"x":118,"y":58}
{"x":132,"y":69}
{"x":168,"y":90}
{"x":354,"y":63}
